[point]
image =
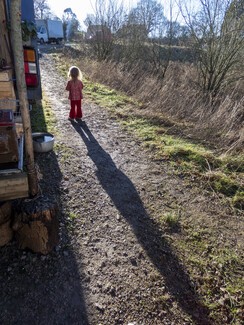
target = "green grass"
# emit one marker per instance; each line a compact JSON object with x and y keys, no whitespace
{"x":171,"y":147}
{"x":238,"y":199}
{"x":106,"y":97}
{"x":42,"y":117}
{"x":170,"y":219}
{"x":72,"y":216}
{"x":233,"y":163}
{"x":223,"y":175}
{"x":223,"y":183}
{"x":219,"y":272}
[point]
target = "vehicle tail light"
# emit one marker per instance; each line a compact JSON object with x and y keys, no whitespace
{"x":29,"y":55}
{"x":31,"y":80}
{"x":31,"y":75}
{"x":30,"y":68}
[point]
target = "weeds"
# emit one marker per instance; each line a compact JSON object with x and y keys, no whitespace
{"x":238,"y":200}
{"x":223,"y":183}
{"x":192,"y":158}
{"x":65,"y":152}
{"x":219,"y":272}
{"x":171,"y":219}
{"x":72,"y":216}
{"x":42,"y":117}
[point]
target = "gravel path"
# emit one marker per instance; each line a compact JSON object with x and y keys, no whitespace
{"x":113,"y":265}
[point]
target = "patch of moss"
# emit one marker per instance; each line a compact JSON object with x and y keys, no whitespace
{"x":238,"y":200}
{"x":223,"y":183}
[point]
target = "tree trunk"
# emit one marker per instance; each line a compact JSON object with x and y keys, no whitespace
{"x":16,"y":40}
{"x":36,"y":225}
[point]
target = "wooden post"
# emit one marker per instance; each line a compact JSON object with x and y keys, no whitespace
{"x":17,"y":46}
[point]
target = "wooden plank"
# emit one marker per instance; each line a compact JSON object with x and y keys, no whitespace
{"x":6,"y":86}
{"x":13,"y":186}
{"x":7,"y":103}
{"x":7,"y":90}
{"x":6,"y":75}
{"x":6,"y":94}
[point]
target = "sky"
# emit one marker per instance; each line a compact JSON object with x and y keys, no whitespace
{"x":80,"y":7}
{"x":83,"y":7}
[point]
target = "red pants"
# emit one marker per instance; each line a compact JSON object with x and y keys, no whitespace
{"x":75,"y":110}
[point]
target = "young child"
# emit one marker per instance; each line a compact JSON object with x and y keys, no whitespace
{"x":75,"y":86}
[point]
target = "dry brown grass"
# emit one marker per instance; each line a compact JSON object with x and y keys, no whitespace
{"x":217,"y":121}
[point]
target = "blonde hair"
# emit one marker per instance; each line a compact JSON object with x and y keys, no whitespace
{"x":74,"y":73}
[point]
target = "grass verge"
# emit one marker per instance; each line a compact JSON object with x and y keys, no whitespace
{"x":221,"y":174}
{"x":42,"y":117}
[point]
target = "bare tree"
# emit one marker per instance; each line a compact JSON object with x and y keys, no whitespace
{"x":70,"y":23}
{"x":148,"y":13}
{"x":103,"y":25}
{"x":133,"y":36}
{"x":16,"y":40}
{"x":90,"y":20}
{"x":162,"y":42}
{"x":217,"y":30}
{"x":42,"y":9}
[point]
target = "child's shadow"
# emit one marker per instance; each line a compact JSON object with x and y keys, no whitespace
{"x":127,"y":200}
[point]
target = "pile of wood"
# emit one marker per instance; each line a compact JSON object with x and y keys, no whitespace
{"x":7,"y":88}
{"x":6,"y":232}
{"x":34,"y":223}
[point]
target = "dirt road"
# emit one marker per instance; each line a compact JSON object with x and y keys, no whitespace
{"x":114,"y":264}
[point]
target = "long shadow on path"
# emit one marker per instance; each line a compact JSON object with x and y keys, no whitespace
{"x":43,"y":290}
{"x":127,"y":200}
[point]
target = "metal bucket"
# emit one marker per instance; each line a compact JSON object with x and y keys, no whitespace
{"x":42,"y":141}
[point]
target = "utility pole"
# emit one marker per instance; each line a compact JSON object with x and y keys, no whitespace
{"x":17,"y":45}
